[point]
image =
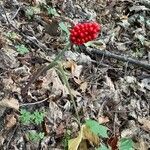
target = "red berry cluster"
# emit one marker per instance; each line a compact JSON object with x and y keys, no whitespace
{"x":84,"y":32}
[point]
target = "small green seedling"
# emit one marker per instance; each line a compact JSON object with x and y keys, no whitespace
{"x":38,"y":117}
{"x":22,"y":49}
{"x":35,"y":136}
{"x":52,"y":11}
{"x":25,"y":117}
{"x":11,"y":35}
{"x":29,"y":13}
{"x":66,"y":138}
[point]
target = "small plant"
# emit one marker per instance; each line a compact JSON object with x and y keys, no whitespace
{"x":29,"y":13}
{"x":66,"y":138}
{"x":94,"y":132}
{"x":52,"y":11}
{"x":22,"y":49}
{"x":35,"y":136}
{"x":96,"y":128}
{"x":38,"y":117}
{"x":126,"y":144}
{"x":11,"y":35}
{"x":27,"y":118}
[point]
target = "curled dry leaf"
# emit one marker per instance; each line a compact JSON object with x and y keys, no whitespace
{"x":75,"y":69}
{"x":10,"y":102}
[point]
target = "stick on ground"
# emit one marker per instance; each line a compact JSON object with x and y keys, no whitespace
{"x":120,"y":58}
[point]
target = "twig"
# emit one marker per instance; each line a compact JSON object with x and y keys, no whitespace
{"x":119,"y":57}
{"x":8,"y":21}
{"x":38,"y":102}
{"x":12,"y":136}
{"x":16,"y":13}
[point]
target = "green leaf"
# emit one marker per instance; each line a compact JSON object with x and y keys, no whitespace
{"x":35,"y":136}
{"x":38,"y":117}
{"x":22,"y":49}
{"x":96,"y":128}
{"x":126,"y":144}
{"x":25,"y":117}
{"x":52,"y":11}
{"x":64,"y":28}
{"x":103,"y":147}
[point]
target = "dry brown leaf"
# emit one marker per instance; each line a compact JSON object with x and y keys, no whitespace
{"x":54,"y":112}
{"x":146,"y":124}
{"x":75,"y":93}
{"x":52,"y":77}
{"x":10,"y":85}
{"x":103,"y":119}
{"x":110,"y":83}
{"x":142,"y":145}
{"x":75,"y":69}
{"x":9,"y":102}
{"x":83,"y":86}
{"x":70,"y":65}
{"x":78,"y":81}
{"x":10,"y":121}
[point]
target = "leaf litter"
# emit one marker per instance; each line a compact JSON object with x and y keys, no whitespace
{"x":117,"y":95}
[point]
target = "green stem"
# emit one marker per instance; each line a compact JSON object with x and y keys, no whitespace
{"x":65,"y":80}
{"x":55,"y":61}
{"x":44,"y":69}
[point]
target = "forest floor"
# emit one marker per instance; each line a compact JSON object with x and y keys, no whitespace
{"x":107,"y":103}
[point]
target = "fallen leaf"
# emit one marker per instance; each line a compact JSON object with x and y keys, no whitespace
{"x":10,"y":121}
{"x":103,"y":119}
{"x":60,"y":130}
{"x":83,"y":86}
{"x":73,"y":144}
{"x":52,"y":79}
{"x":90,"y":136}
{"x":113,"y":142}
{"x":146,"y":83}
{"x":145,"y":124}
{"x":110,"y":83}
{"x":142,"y":145}
{"x":54,"y":112}
{"x":75,"y":69}
{"x":85,"y":133}
{"x":10,"y":102}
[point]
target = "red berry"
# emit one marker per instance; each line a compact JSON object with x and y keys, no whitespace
{"x":84,"y":32}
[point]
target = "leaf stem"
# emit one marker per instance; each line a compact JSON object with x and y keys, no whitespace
{"x":65,"y":80}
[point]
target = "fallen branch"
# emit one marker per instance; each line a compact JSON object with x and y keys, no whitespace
{"x":119,"y":57}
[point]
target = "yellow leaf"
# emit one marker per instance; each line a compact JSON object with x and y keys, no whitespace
{"x":90,"y":136}
{"x":73,"y":144}
{"x":83,"y":145}
{"x":84,"y":134}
